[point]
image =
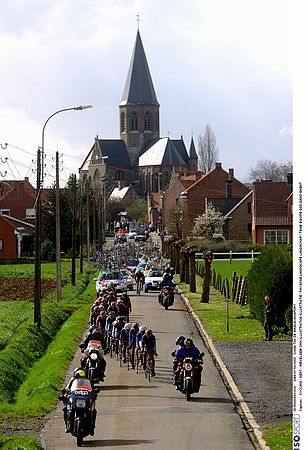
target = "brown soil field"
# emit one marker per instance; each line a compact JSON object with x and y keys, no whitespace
{"x":23,"y":288}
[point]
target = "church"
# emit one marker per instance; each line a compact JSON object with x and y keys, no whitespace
{"x":140,"y":158}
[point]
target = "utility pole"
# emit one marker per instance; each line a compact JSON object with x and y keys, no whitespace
{"x":73,"y":274}
{"x":37,"y":268}
{"x":58,"y":235}
{"x":81,"y":229}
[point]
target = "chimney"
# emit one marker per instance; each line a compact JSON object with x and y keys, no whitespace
{"x":217,"y":165}
{"x":231,"y":173}
{"x":229,"y":187}
{"x":290,"y":178}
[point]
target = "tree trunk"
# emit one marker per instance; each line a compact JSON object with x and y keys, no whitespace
{"x":192,"y":282}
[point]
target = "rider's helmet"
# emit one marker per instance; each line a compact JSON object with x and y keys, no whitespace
{"x":180,"y":341}
{"x":142,"y":328}
{"x":135,"y":326}
{"x":148,"y":332}
{"x":120,"y":319}
{"x":97,"y":309}
{"x":97,"y":333}
{"x":92,"y":328}
{"x":113,"y":304}
{"x":188,"y":343}
{"x":127,"y":326}
{"x":79,"y":373}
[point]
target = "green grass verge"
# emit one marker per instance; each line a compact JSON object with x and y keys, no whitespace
{"x":19,"y":443}
{"x":280,"y":436}
{"x":214,"y":317}
{"x":12,"y":313}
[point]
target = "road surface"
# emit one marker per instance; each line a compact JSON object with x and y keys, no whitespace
{"x":133,"y":413}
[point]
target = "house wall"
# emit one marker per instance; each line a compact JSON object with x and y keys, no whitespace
{"x":170,"y":200}
{"x":9,"y":241}
{"x":212,"y":185}
{"x":258,"y":237}
{"x":237,"y":227}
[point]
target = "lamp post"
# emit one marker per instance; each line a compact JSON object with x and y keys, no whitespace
{"x":40,"y":181}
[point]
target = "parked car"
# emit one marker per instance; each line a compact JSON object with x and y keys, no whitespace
{"x":153,"y":279}
{"x":128,"y":278}
{"x":113,"y":276}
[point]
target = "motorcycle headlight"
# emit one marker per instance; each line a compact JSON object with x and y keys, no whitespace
{"x":80,"y":403}
{"x":93,"y":356}
{"x":188,"y":366}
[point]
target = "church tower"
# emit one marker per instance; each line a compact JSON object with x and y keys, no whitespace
{"x":139,"y":108}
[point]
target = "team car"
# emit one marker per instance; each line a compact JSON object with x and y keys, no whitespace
{"x":112,"y":276}
{"x":153,"y":280}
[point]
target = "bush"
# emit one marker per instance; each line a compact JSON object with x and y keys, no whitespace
{"x":289,"y":318}
{"x":271,"y":274}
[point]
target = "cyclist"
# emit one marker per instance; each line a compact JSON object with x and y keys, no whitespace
{"x":149,"y":349}
{"x":117,"y":327}
{"x":124,"y":338}
{"x":139,"y":336}
{"x":132,"y":342}
{"x":139,"y":278}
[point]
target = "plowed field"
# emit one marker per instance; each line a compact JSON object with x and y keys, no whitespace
{"x":23,"y":288}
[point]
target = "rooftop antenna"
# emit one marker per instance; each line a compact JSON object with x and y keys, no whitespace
{"x":138,"y":20}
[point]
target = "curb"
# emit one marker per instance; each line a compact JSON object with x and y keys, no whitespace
{"x":243,"y":409}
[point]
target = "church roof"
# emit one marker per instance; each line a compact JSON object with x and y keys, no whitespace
{"x":163,"y":153}
{"x":116,"y":151}
{"x":192,"y":150}
{"x":139,"y":88}
{"x":119,"y":193}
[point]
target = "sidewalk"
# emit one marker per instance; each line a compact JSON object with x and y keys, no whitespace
{"x":258,"y":375}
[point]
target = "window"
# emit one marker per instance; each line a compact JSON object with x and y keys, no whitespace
{"x":147,"y":121}
{"x":276,"y":236}
{"x":5,"y":211}
{"x":249,"y":207}
{"x":1,"y":244}
{"x":122,"y":122}
{"x":119,"y":175}
{"x":133,"y":122}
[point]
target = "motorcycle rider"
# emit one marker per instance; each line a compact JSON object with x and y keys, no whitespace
{"x":190,"y":350}
{"x":175,"y":362}
{"x":77,"y":374}
{"x":96,"y":336}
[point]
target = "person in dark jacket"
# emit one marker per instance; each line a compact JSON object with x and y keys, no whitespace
{"x":268,"y":318}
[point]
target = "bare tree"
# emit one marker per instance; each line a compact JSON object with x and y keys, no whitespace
{"x":270,"y":170}
{"x":207,"y":150}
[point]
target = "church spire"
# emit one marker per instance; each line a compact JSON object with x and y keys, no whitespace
{"x":139,"y":88}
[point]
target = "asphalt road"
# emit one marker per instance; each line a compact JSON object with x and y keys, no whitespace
{"x":131,"y":412}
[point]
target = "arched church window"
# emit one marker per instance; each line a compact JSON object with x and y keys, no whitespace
{"x":122,"y":122}
{"x":134,"y":122}
{"x":119,"y":175}
{"x":147,"y":121}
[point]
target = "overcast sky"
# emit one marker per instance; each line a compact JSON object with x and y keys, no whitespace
{"x":218,"y":62}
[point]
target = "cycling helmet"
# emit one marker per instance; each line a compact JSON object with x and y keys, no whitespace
{"x":113,"y":304}
{"x":188,"y":341}
{"x":79,"y":373}
{"x":142,"y":328}
{"x":92,"y":328}
{"x":180,"y":340}
{"x":135,"y":326}
{"x":120,"y":318}
{"x":148,"y":332}
{"x":97,"y":309}
{"x":127,"y":326}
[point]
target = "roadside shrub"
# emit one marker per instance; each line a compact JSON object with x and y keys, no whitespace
{"x":271,"y":274}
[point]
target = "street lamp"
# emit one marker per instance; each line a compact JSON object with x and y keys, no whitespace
{"x":37,"y":206}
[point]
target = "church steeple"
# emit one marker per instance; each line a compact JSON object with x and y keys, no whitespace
{"x":193,"y":157}
{"x":139,"y":107}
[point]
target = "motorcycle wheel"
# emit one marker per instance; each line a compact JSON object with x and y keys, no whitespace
{"x":188,"y":388}
{"x":78,"y":429}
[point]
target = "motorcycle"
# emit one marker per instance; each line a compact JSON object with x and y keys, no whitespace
{"x":92,"y":362}
{"x":189,"y":380}
{"x":166,"y":297}
{"x":81,"y":412}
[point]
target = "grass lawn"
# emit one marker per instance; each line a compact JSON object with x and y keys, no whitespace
{"x":48,"y":269}
{"x":214,"y":316}
{"x":279,"y":437}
